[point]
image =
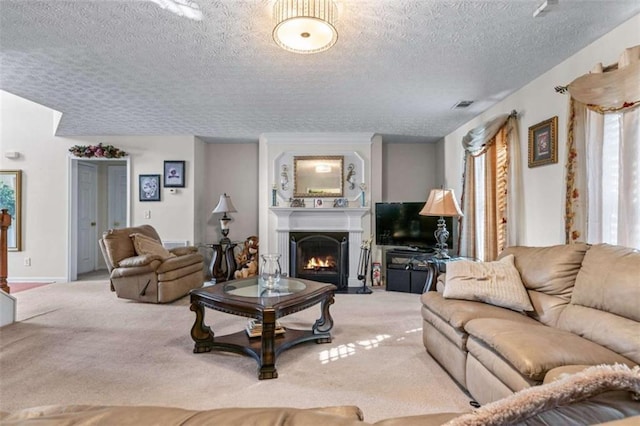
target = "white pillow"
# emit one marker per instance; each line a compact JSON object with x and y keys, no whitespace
{"x":497,"y":283}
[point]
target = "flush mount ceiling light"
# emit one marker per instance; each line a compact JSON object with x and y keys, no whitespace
{"x":305,"y":26}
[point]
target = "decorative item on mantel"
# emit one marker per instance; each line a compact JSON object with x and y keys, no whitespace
{"x":284,"y":178}
{"x":97,"y":151}
{"x":274,"y":193}
{"x":363,"y":187}
{"x":351,"y":176}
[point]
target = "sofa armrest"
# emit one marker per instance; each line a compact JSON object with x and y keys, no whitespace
{"x":142,"y":260}
{"x":181,"y":251}
{"x":173,"y":263}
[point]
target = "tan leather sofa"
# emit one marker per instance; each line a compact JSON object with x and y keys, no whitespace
{"x":586,"y":303}
{"x":599,"y":395}
{"x":149,"y":277}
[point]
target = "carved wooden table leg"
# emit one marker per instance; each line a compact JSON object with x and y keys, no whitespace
{"x":267,"y":354}
{"x":325,"y":323}
{"x":201,"y":333}
{"x":5,"y":222}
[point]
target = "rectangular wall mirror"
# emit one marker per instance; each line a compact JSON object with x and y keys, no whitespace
{"x":318,"y":176}
{"x":10,"y":199}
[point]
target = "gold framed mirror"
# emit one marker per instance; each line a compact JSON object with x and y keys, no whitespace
{"x":318,"y":176}
{"x":10,"y":199}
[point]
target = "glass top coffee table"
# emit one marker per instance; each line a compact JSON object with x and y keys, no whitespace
{"x":248,"y":298}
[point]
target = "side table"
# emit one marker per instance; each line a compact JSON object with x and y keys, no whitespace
{"x":223,"y":249}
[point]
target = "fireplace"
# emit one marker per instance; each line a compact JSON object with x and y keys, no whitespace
{"x":320,"y":256}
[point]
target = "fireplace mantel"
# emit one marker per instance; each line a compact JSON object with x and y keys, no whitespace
{"x":294,"y":219}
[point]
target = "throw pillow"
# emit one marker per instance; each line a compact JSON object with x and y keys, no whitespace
{"x":148,"y":245}
{"x":497,"y":283}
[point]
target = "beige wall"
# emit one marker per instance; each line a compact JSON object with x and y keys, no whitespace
{"x":231,"y":168}
{"x":409,"y":171}
{"x":543,"y":219}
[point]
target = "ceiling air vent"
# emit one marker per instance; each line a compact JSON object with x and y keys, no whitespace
{"x":462,"y":104}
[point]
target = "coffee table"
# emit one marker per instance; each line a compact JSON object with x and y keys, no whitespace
{"x":249,"y":298}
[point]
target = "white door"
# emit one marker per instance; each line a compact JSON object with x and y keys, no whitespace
{"x":117,"y":197}
{"x":87,"y":217}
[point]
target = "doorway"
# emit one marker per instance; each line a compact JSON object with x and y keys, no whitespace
{"x":99,"y":200}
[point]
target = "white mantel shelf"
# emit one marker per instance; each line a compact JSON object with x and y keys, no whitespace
{"x":321,"y":219}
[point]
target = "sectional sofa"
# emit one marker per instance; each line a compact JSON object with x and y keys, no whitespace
{"x":585,"y":311}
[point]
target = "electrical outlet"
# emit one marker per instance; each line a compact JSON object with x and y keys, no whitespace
{"x":147,"y":214}
{"x":27,"y":261}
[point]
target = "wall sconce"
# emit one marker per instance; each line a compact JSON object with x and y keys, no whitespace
{"x":284,"y":177}
{"x":351,"y":176}
{"x":12,"y":155}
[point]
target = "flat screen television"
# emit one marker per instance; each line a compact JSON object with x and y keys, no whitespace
{"x":399,"y":224}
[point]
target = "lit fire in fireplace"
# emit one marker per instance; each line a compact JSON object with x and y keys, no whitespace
{"x":319,"y":263}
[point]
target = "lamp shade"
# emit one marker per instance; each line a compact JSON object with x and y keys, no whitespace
{"x":441,"y":202}
{"x":224,"y":205}
{"x":305,"y":26}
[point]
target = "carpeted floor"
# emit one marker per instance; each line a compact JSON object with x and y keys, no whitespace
{"x":76,"y":343}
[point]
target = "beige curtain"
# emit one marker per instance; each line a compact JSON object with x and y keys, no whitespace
{"x":605,"y":90}
{"x":491,"y":189}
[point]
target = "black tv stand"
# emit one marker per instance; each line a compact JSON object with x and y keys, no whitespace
{"x":407,"y":270}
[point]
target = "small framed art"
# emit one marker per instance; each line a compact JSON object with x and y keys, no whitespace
{"x":543,"y":142}
{"x":340,"y":202}
{"x":318,"y":202}
{"x":149,"y":187}
{"x":174,"y":174}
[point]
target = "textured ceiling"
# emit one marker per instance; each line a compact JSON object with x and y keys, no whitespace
{"x":136,"y":68}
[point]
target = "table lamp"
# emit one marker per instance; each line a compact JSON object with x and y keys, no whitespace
{"x":442,"y":202}
{"x":224,"y":206}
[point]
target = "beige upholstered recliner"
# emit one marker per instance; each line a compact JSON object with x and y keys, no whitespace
{"x":141,"y":269}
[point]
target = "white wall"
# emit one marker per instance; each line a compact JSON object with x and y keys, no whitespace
{"x":28,"y":128}
{"x":536,"y":102}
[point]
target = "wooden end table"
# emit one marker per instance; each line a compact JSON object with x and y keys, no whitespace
{"x":248,"y":298}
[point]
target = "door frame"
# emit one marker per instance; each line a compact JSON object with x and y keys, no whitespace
{"x":72,"y":211}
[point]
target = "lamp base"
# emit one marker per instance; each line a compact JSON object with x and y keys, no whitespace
{"x":442,"y":235}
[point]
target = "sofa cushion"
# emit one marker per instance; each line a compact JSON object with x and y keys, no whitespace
{"x":146,"y":245}
{"x":533,"y":350}
{"x":549,"y":273}
{"x":458,"y":312}
{"x":497,"y":283}
{"x":550,"y":270}
{"x":147,"y":415}
{"x":605,"y":306}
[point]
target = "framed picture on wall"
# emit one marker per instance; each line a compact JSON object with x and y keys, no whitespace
{"x":174,"y":174}
{"x":543,"y":143}
{"x":149,"y":187}
{"x":11,"y":200}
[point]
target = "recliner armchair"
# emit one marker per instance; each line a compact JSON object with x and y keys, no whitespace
{"x":155,"y":275}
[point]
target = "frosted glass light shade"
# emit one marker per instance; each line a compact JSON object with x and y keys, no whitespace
{"x":305,"y":26}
